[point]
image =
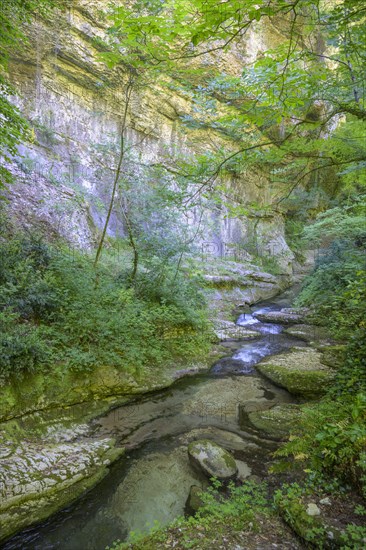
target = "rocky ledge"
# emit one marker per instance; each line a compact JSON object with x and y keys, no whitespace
{"x":40,"y":476}
{"x":299,"y":371}
{"x":286,"y":316}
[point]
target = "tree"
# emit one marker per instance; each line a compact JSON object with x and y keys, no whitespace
{"x":118,"y":169}
{"x":290,"y":112}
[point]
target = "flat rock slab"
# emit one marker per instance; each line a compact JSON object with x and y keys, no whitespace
{"x":155,"y":488}
{"x":227,"y":330}
{"x":287,"y":316}
{"x":212,"y":460}
{"x":277,"y":421}
{"x":299,"y":371}
{"x":37,"y":480}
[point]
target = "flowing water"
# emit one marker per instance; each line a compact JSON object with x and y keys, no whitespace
{"x":151,"y":482}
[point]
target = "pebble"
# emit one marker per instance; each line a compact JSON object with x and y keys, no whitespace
{"x":312,"y":509}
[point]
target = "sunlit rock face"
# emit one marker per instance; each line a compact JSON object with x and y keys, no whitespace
{"x":75,"y":104}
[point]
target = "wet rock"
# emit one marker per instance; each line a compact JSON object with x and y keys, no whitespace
{"x":299,"y":371}
{"x":285,"y":316}
{"x":217,"y":401}
{"x":226,"y":330}
{"x":277,"y":421}
{"x":194,"y":501}
{"x":228,"y":440}
{"x":228,"y":365}
{"x":163,"y":478}
{"x":212,"y":460}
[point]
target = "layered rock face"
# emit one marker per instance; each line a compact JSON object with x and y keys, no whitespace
{"x":75,"y":104}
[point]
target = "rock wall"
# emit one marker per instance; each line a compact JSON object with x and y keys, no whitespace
{"x":75,"y":104}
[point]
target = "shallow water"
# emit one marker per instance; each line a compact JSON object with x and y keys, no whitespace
{"x":152,"y":481}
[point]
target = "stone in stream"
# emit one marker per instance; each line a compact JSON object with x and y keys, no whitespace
{"x":212,"y":460}
{"x":227,"y":330}
{"x":287,"y":316}
{"x":155,"y":488}
{"x":299,"y":371}
{"x":277,"y":421}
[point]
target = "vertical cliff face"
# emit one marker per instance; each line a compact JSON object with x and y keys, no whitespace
{"x":75,"y":105}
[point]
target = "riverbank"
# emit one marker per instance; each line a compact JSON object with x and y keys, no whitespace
{"x":155,"y":431}
{"x":47,"y":418}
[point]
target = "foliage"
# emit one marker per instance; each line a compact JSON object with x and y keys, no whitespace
{"x":288,"y":500}
{"x":51,"y":311}
{"x":283,"y":114}
{"x":240,"y":507}
{"x":22,"y":346}
{"x":291,"y":500}
{"x":156,"y":221}
{"x":294,"y":237}
{"x":332,"y":439}
{"x":333,"y":434}
{"x":337,"y":287}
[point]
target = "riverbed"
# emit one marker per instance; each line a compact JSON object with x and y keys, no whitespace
{"x":151,"y":482}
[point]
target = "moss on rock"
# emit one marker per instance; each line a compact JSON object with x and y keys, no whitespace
{"x":212,"y":460}
{"x":277,"y":421}
{"x":334,"y":356}
{"x":299,"y":371}
{"x":309,"y":333}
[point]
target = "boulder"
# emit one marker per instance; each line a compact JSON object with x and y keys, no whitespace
{"x":194,"y":500}
{"x":212,"y":460}
{"x":299,"y":371}
{"x":312,"y":509}
{"x":227,"y":330}
{"x":244,"y":471}
{"x":277,"y":421}
{"x":287,"y":316}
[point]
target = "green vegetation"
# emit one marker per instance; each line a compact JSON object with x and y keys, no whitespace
{"x":296,"y":113}
{"x":333,"y":433}
{"x":52,"y":312}
{"x":223,"y":519}
{"x":295,"y":117}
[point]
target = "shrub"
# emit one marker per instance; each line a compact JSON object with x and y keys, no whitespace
{"x":53,"y":311}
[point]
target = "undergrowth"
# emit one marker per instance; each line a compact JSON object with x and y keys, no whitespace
{"x":55,"y":310}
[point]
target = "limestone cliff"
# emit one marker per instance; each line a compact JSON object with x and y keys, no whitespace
{"x":74,"y":103}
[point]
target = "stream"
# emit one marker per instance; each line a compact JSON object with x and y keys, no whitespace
{"x":151,"y":482}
